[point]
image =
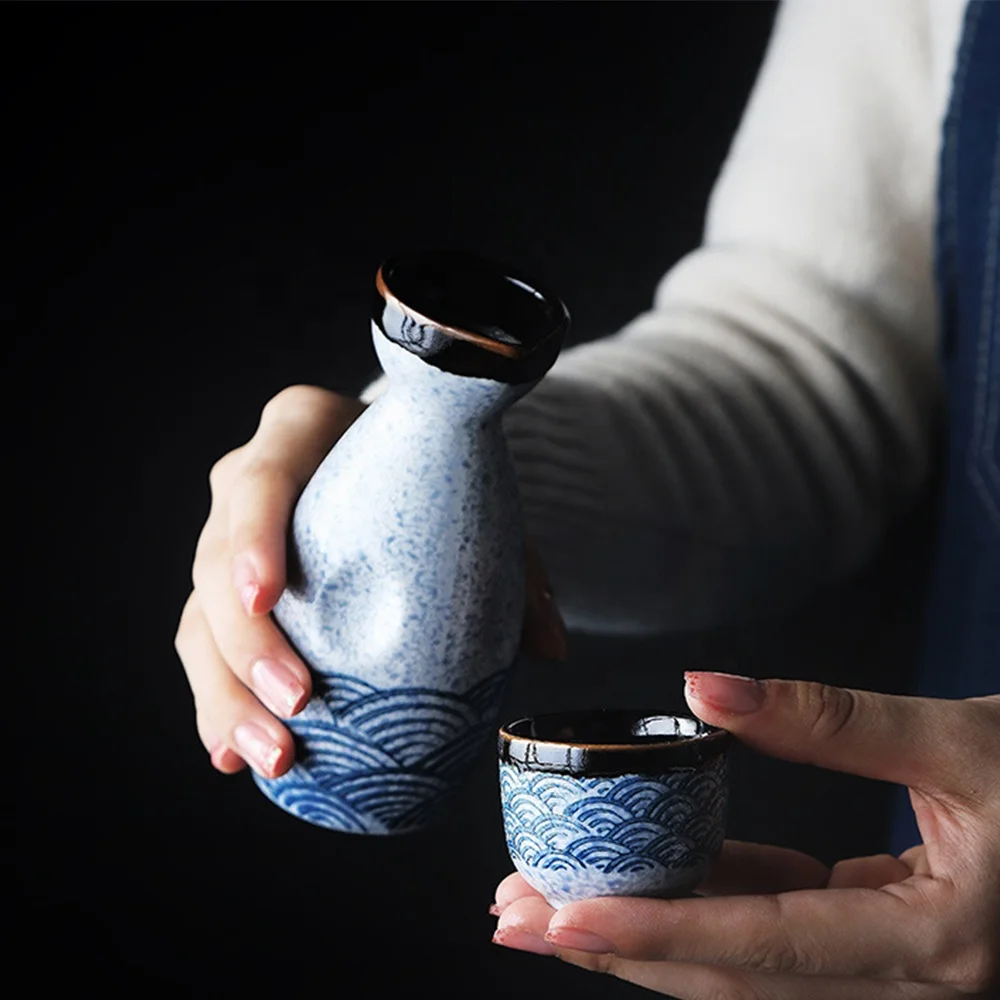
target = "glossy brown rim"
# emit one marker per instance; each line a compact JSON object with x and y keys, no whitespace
{"x":584,"y":759}
{"x":714,"y":734}
{"x":488,"y":344}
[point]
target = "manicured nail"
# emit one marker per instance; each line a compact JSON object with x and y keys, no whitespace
{"x":730,"y":692}
{"x":278,"y":686}
{"x":256,"y":743}
{"x":512,"y":937}
{"x":245,"y":581}
{"x":495,"y":909}
{"x":568,"y":937}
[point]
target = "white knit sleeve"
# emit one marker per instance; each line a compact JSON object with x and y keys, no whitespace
{"x":749,"y":438}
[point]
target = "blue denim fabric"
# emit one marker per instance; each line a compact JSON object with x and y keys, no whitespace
{"x":961,"y":655}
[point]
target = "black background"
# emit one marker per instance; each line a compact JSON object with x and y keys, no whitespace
{"x":200,"y":196}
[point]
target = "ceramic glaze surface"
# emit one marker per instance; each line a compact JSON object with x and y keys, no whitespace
{"x":575,"y":837}
{"x":407,"y":601}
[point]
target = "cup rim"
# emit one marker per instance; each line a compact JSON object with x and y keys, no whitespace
{"x":590,"y":758}
{"x":712,"y":732}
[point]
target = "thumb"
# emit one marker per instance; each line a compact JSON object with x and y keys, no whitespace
{"x":911,"y":741}
{"x":297,"y":429}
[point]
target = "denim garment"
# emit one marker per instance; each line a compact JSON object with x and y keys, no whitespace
{"x":961,"y":655}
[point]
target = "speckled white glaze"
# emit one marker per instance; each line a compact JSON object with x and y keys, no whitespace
{"x":407,"y":601}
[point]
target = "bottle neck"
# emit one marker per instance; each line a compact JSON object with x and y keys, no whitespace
{"x":439,"y":395}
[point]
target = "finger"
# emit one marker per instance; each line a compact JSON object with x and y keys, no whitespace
{"x":886,"y":737}
{"x":833,"y":932}
{"x":224,"y":760}
{"x":255,"y":649}
{"x":522,"y":923}
{"x":228,"y":715}
{"x":916,"y":859}
{"x":544,"y":635}
{"x":740,"y":868}
{"x":744,"y":868}
{"x":512,"y":888}
{"x":297,"y":429}
{"x":522,"y":926}
{"x":868,"y":873}
{"x":684,"y":981}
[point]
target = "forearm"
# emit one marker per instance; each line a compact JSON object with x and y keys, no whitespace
{"x":749,"y":439}
{"x":709,"y":464}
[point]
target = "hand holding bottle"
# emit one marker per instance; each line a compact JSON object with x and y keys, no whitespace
{"x":243,"y":673}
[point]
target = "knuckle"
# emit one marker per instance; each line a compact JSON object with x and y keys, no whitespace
{"x":222,"y":471}
{"x":292,"y":400}
{"x":775,"y":958}
{"x":606,"y":965}
{"x":830,"y":710}
{"x":207,"y":551}
{"x":218,"y":712}
{"x":206,"y":732}
{"x":182,"y":635}
{"x":777,"y":953}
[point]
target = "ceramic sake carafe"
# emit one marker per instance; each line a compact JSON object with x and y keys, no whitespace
{"x":406,"y":570}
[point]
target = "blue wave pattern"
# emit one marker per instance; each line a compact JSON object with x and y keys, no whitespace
{"x":630,"y":835}
{"x":382,"y":761}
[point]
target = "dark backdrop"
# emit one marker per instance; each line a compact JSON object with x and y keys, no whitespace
{"x":200,"y":196}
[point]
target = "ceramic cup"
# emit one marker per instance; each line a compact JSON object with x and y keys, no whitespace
{"x":613,"y":802}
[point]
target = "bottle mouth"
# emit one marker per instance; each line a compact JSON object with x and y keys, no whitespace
{"x":469,"y":315}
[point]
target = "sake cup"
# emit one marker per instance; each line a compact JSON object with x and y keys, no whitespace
{"x":613,"y":802}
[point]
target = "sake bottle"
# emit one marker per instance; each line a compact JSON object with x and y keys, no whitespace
{"x":406,"y":590}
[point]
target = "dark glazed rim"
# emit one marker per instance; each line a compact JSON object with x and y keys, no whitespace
{"x":430,"y":302}
{"x":487,"y":343}
{"x":582,"y":758}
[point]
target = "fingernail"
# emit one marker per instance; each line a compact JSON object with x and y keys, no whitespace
{"x":730,"y":692}
{"x":245,"y":581}
{"x":495,"y":909}
{"x":277,"y":685}
{"x":256,"y":743}
{"x":569,"y":937}
{"x":512,"y":937}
